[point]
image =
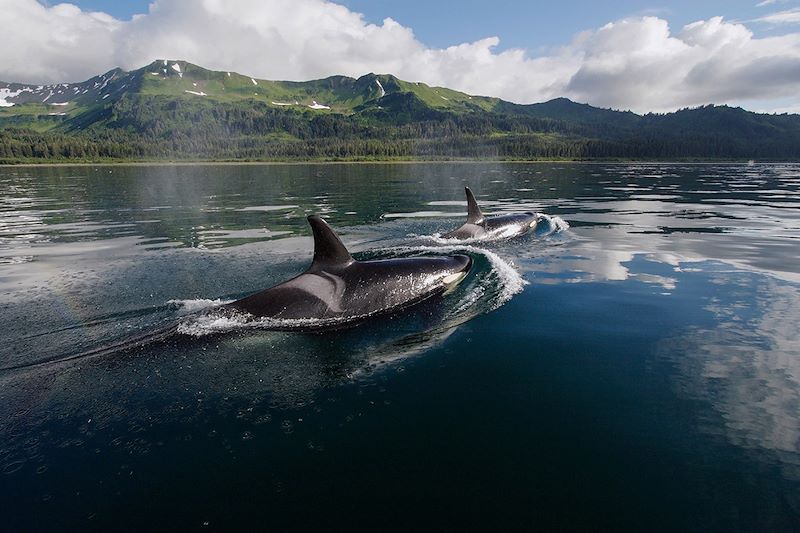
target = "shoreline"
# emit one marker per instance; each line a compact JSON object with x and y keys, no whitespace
{"x":212,"y":162}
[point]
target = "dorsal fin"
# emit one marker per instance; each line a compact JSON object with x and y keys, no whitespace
{"x":328,"y":248}
{"x":474,"y":214}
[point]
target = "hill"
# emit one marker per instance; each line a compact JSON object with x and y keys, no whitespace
{"x":177,"y":110}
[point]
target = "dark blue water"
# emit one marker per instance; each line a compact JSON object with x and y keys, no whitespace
{"x":633,"y":364}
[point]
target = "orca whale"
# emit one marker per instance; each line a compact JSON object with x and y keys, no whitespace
{"x":337,"y":289}
{"x":502,"y":226}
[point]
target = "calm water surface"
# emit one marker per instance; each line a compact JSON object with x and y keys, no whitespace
{"x":634,"y":364}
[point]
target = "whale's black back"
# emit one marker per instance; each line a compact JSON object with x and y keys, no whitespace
{"x":336,"y":286}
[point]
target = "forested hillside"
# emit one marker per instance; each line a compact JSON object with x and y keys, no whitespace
{"x":175,"y":110}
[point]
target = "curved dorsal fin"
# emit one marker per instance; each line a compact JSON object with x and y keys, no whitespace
{"x":328,"y":248}
{"x":474,"y":214}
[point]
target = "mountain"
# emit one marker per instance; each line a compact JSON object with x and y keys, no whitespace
{"x":338,"y":94}
{"x":174,"y":109}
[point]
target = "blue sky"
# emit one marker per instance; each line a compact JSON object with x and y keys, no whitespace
{"x":529,"y":25}
{"x":629,"y":54}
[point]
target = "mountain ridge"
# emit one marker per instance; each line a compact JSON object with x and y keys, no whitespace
{"x":202,"y":113}
{"x":59,"y":93}
{"x":173,"y":76}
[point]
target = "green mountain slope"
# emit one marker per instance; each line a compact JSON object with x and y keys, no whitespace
{"x":174,"y":109}
{"x":180,"y":79}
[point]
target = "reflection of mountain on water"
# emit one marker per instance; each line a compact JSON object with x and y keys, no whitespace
{"x":747,"y":367}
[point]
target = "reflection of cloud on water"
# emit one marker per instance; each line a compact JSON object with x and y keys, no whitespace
{"x":747,"y":368}
{"x":592,"y":261}
{"x":666,"y":283}
{"x":603,"y":264}
{"x":601,"y":246}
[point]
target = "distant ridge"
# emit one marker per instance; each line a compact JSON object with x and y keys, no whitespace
{"x":181,"y":78}
{"x":175,"y":109}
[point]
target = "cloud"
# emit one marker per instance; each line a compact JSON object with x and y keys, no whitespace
{"x":770,"y":2}
{"x":637,"y":63}
{"x":790,"y":16}
{"x":60,"y":43}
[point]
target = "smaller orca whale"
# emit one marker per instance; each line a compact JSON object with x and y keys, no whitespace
{"x":337,"y":290}
{"x":502,"y":226}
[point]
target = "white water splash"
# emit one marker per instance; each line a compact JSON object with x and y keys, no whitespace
{"x":211,"y":323}
{"x":198,"y":304}
{"x":556,"y":222}
{"x":509,"y":281}
{"x":203,"y":325}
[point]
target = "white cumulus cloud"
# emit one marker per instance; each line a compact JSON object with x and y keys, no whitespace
{"x":639,"y":63}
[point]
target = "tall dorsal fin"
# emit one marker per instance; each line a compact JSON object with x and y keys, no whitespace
{"x":328,"y":248}
{"x":474,"y":214}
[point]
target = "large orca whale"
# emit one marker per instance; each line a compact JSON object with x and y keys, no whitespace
{"x":502,"y":226}
{"x":338,"y":290}
{"x":335,"y":292}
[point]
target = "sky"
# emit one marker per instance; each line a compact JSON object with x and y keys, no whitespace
{"x":638,"y":55}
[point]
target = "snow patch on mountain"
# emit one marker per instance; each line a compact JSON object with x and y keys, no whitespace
{"x":315,"y":105}
{"x":8,"y":93}
{"x":380,"y":87}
